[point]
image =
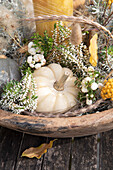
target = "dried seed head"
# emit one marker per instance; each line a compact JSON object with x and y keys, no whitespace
{"x":76,"y":35}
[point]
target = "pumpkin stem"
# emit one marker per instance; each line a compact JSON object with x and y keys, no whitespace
{"x":59,"y":85}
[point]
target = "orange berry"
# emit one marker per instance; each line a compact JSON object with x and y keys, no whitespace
{"x":108,"y":90}
{"x":111,"y":90}
{"x":110,"y":80}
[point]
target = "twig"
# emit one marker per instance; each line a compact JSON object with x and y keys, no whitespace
{"x":69,"y":19}
{"x":14,"y":39}
{"x":106,"y":21}
{"x":105,"y":9}
{"x":68,"y":113}
{"x":107,"y":52}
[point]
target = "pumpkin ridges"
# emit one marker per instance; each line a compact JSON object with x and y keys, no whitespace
{"x":61,"y":101}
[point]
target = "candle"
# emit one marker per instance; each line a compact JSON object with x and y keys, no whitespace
{"x":51,"y":7}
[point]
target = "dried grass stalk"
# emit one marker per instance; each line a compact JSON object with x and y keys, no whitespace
{"x":72,"y":19}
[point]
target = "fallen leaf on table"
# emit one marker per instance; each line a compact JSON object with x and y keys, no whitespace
{"x":93,"y":50}
{"x":38,"y":151}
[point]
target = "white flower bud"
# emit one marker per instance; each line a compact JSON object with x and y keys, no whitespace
{"x":43,"y":62}
{"x":86,"y":80}
{"x":92,"y":95}
{"x":90,"y":68}
{"x":31,"y":65}
{"x":88,"y":102}
{"x":94,"y":86}
{"x":29,"y":59}
{"x":32,"y":51}
{"x":84,"y":89}
{"x":36,"y":58}
{"x":30,"y":44}
{"x":38,"y":65}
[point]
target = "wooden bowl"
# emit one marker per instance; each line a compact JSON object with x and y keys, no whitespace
{"x":59,"y":127}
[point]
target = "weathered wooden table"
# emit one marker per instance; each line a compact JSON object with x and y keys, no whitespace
{"x":85,"y":153}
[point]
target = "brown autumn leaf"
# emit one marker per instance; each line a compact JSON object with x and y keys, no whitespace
{"x":38,"y":151}
{"x":93,"y":50}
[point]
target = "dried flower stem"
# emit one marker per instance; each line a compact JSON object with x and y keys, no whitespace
{"x":106,"y":21}
{"x":14,"y":39}
{"x":69,"y":19}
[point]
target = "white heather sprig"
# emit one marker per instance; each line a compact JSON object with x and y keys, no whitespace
{"x":15,"y":96}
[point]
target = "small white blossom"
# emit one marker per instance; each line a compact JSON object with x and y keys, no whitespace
{"x":84,"y":89}
{"x":38,"y":65}
{"x":86,"y":80}
{"x":30,"y":44}
{"x":36,"y":58}
{"x":90,"y":68}
{"x":94,"y":86}
{"x":29,"y":59}
{"x":96,"y":75}
{"x":43,"y":62}
{"x":31,"y":65}
{"x":88,"y":102}
{"x":32,"y":51}
{"x":92,"y":95}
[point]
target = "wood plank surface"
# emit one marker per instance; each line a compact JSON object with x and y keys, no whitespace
{"x":106,"y":151}
{"x":24,"y":163}
{"x":9,"y":148}
{"x":58,"y":157}
{"x":84,"y":153}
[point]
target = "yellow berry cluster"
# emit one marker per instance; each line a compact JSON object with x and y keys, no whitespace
{"x":109,"y":2}
{"x":107,"y":90}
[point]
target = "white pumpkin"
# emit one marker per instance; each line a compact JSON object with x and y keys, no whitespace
{"x":55,"y":88}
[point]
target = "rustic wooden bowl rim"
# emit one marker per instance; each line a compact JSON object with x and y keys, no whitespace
{"x":59,"y":127}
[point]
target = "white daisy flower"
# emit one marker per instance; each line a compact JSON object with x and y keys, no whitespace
{"x":94,"y":86}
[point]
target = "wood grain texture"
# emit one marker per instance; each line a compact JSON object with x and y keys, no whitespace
{"x":59,"y":127}
{"x":9,"y":147}
{"x":84,"y":153}
{"x":106,"y":151}
{"x":81,"y":154}
{"x":58,"y":157}
{"x":24,"y":163}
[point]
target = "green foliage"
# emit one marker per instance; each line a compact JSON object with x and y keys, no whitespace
{"x":45,"y":43}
